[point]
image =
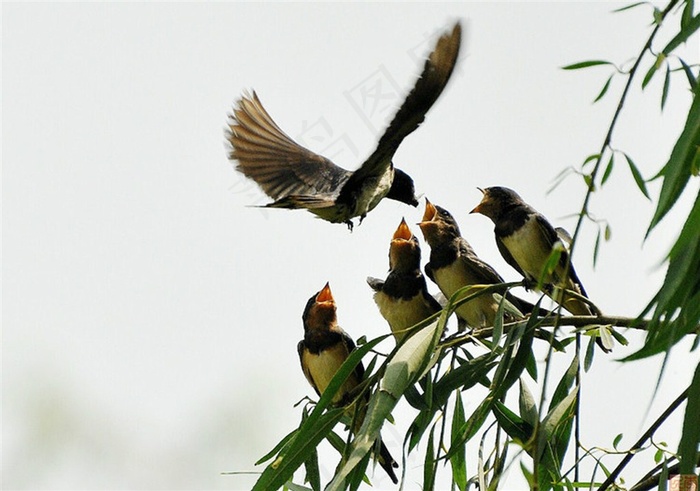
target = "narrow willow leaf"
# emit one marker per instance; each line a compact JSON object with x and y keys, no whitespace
{"x":692,"y":81}
{"x":605,"y":337}
{"x":458,"y":460}
{"x":295,"y":487}
{"x":585,"y":64}
{"x":617,"y":440}
{"x":608,"y":232}
{"x":314,"y":428}
{"x":554,"y":418}
{"x":528,"y":406}
{"x":649,"y":75}
{"x":277,"y":448}
{"x":667,"y":83}
{"x":604,"y":90}
{"x":405,"y":366}
{"x":637,"y":177}
{"x":690,"y":438}
{"x":567,"y":380}
{"x":590,"y":158}
{"x":550,"y":265}
{"x":688,"y":30}
{"x":590,"y":354}
{"x":608,"y":169}
{"x":313,"y":475}
{"x":429,"y":465}
{"x":687,"y":16}
{"x":515,"y":427}
{"x":631,"y":6}
{"x":677,"y":171}
{"x":596,"y":248}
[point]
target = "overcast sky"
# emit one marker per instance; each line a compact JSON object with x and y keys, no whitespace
{"x":150,"y":316}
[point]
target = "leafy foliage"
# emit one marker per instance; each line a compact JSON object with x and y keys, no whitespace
{"x":432,"y":373}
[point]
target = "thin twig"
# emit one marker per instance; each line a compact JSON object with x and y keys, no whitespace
{"x":647,"y":435}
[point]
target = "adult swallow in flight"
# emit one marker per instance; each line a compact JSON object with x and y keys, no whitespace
{"x":454,"y":264}
{"x":324,"y":349}
{"x":403,"y":298}
{"x":526,"y":239}
{"x":295,"y":177}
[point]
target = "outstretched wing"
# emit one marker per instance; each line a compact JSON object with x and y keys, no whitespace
{"x":436,"y":73}
{"x":279,"y":165}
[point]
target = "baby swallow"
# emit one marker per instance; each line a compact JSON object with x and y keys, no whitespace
{"x":526,"y":239}
{"x":323,"y":350}
{"x":403,"y":298}
{"x":454,"y":264}
{"x":298,"y":178}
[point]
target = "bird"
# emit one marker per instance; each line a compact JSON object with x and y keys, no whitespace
{"x":526,"y":239}
{"x":453,"y":265}
{"x":322,"y":352}
{"x":403,"y":298}
{"x":297,"y":178}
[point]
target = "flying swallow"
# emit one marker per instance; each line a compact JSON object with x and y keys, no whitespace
{"x":295,"y":177}
{"x":526,"y":239}
{"x":454,"y":264}
{"x":322,"y":352}
{"x":403,"y":298}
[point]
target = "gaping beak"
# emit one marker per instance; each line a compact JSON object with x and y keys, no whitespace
{"x":325,"y":295}
{"x":402,"y":232}
{"x":430,"y":212}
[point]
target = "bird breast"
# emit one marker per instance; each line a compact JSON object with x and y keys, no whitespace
{"x":529,"y":249}
{"x":373,"y":190}
{"x":402,"y":313}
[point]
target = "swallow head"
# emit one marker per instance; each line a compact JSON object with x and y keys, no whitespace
{"x":495,"y":201}
{"x":320,"y":311}
{"x":402,"y":188}
{"x":404,"y":251}
{"x":438,"y":225}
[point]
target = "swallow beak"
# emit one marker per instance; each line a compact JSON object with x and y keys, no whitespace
{"x":480,"y":207}
{"x":430,"y":212}
{"x":325,"y":295}
{"x":403,"y":232}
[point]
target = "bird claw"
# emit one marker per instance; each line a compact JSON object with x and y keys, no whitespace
{"x":349,"y":224}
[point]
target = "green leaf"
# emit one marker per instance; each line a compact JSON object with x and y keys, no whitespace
{"x":667,"y":83}
{"x":687,"y":16}
{"x":585,"y":64}
{"x":631,"y":6}
{"x":559,"y":415}
{"x":686,"y":31}
{"x":637,"y":177}
{"x":313,"y":475}
{"x":567,"y":380}
{"x":678,"y":169}
{"x":282,"y":469}
{"x":465,"y":376}
{"x":604,"y":90}
{"x":458,"y":460}
{"x":430,"y":464}
{"x":590,"y":354}
{"x":403,"y":368}
{"x":528,"y":406}
{"x":690,"y":438}
{"x":277,"y":448}
{"x":617,"y":440}
{"x":596,"y":248}
{"x":650,"y":73}
{"x":314,"y":428}
{"x":608,"y":169}
{"x":514,"y":426}
{"x":692,"y":81}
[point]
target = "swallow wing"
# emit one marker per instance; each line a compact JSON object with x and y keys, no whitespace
{"x":436,"y":73}
{"x":279,"y":165}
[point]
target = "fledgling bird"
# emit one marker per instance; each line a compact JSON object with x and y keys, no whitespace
{"x":322,"y":352}
{"x":403,"y":298}
{"x":296,"y":177}
{"x":454,"y":264}
{"x":526,"y":239}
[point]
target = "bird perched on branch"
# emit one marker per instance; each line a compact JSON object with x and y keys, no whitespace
{"x":454,"y":264}
{"x":322,"y":352}
{"x":527,"y":241}
{"x":295,"y":177}
{"x":403,"y":298}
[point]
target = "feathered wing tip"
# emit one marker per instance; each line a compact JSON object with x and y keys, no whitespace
{"x":266,"y":154}
{"x":388,"y":463}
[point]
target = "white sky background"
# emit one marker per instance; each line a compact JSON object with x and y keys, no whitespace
{"x":150,"y":318}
